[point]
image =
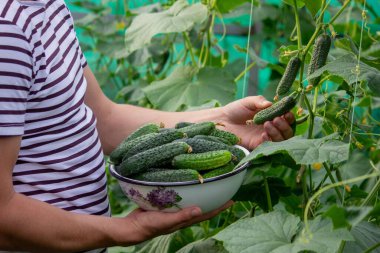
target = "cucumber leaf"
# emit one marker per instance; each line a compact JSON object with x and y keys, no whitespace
{"x":281,"y":232}
{"x":208,"y":245}
{"x":345,"y":67}
{"x":180,"y":17}
{"x":189,"y":87}
{"x":304,"y":151}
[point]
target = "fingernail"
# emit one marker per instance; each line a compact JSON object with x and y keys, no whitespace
{"x":196,"y":212}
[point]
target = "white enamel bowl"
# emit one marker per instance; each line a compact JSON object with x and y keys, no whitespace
{"x":171,"y":197}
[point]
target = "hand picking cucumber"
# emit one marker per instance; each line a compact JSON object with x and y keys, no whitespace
{"x":203,"y":161}
{"x":155,"y":141}
{"x":280,"y":108}
{"x":117,"y":154}
{"x":151,"y":157}
{"x":180,"y":175}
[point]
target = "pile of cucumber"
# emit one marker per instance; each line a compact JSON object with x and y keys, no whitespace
{"x":187,"y":152}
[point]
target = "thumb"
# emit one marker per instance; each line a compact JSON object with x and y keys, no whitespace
{"x":256,"y":103}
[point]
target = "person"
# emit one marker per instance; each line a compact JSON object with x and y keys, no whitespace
{"x":55,"y":125}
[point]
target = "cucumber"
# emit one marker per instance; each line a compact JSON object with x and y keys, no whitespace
{"x":280,"y":108}
{"x":289,"y":76}
{"x":322,"y":47}
{"x":219,"y":171}
{"x":230,"y":137}
{"x":145,"y":129}
{"x":183,"y":124}
{"x":181,"y":175}
{"x":202,"y":146}
{"x":117,"y":154}
{"x":155,"y":141}
{"x":149,"y":158}
{"x":203,"y":161}
{"x":212,"y":138}
{"x":204,"y":128}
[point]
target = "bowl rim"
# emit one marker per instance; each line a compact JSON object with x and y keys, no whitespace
{"x":236,"y":171}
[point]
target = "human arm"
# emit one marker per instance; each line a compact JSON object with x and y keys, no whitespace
{"x":116,"y":121}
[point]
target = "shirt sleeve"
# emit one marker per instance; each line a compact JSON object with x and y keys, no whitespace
{"x":16,"y":74}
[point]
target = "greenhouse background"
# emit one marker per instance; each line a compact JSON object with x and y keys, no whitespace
{"x":237,"y":31}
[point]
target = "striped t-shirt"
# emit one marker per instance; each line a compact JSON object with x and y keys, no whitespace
{"x":42,"y":90}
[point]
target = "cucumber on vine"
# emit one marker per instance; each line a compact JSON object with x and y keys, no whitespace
{"x":289,"y":76}
{"x":318,"y":59}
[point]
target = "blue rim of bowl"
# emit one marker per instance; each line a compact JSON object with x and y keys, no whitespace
{"x":194,"y":182}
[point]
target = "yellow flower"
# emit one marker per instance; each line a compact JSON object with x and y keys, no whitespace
{"x":347,"y":188}
{"x":317,"y":166}
{"x":120,"y":25}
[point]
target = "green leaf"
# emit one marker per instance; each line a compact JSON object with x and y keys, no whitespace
{"x":225,"y":6}
{"x":189,"y":86}
{"x":313,"y":6}
{"x":255,"y":192}
{"x":202,"y":246}
{"x":304,"y":151}
{"x":168,"y":243}
{"x":366,"y":235}
{"x":300,"y":3}
{"x":179,"y":18}
{"x":345,"y":67}
{"x":281,"y":232}
{"x":347,"y":216}
{"x":356,"y":166}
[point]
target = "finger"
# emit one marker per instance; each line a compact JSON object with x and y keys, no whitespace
{"x":289,"y":117}
{"x":265,"y":137}
{"x":206,"y":216}
{"x":255,"y":103}
{"x":273,"y":132}
{"x":283,"y":126}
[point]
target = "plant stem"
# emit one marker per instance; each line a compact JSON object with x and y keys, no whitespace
{"x":267,"y":193}
{"x":370,"y":249}
{"x":328,"y":187}
{"x":298,"y":24}
{"x":372,"y":194}
{"x":338,"y":193}
{"x":311,"y":118}
{"x":190,"y":48}
{"x":311,"y":41}
{"x":241,"y":75}
{"x":339,"y":12}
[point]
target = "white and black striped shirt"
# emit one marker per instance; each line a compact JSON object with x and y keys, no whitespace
{"x":42,"y":89}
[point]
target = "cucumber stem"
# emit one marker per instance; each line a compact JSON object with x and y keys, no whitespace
{"x":267,"y":193}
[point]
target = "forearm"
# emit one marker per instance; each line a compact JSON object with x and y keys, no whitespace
{"x":124,"y":119}
{"x":30,"y":225}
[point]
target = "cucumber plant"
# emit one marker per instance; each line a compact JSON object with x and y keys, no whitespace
{"x":321,"y":187}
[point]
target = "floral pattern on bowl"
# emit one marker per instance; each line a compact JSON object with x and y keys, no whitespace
{"x":160,"y":197}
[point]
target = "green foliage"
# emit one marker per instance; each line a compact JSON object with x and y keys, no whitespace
{"x":190,"y":86}
{"x":304,"y":151}
{"x":281,"y":232}
{"x":180,"y":17}
{"x":167,"y":56}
